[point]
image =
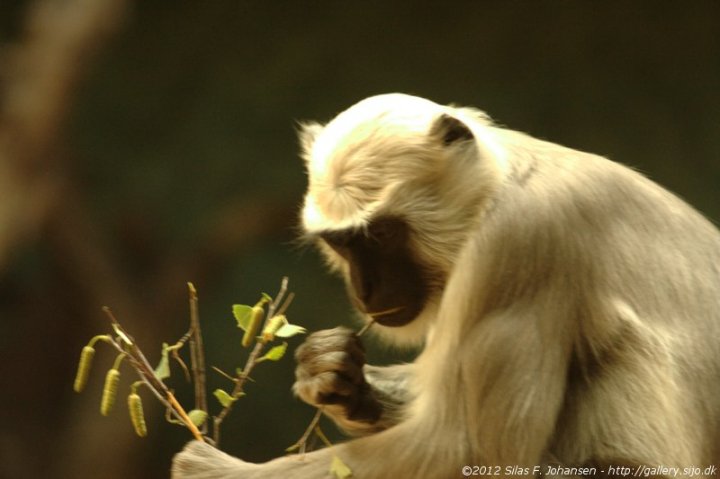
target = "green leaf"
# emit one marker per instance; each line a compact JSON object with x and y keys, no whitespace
{"x":198,"y":417}
{"x":266,"y":297}
{"x":339,"y":469}
{"x":162,"y":371}
{"x":276,"y":353}
{"x":290,"y":330}
{"x":224,"y":398}
{"x":243,"y":315}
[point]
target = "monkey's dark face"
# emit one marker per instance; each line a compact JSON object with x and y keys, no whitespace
{"x":384,"y":280}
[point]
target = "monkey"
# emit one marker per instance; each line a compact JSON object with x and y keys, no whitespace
{"x":566,"y":307}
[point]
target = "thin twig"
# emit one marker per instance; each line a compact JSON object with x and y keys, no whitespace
{"x":319,"y":432}
{"x":223,"y":373}
{"x":183,"y":415}
{"x":178,"y":359}
{"x":301,"y":444}
{"x":197,"y":355}
{"x":251,"y":362}
{"x":286,"y":304}
{"x":138,"y":369}
{"x":147,"y":374}
{"x":364,"y":329}
{"x":281,"y":294}
{"x":237,"y":390}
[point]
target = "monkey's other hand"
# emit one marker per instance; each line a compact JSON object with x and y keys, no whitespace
{"x":330,"y":374}
{"x":200,"y":460}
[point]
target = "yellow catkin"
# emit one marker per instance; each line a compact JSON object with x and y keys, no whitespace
{"x":109,"y":391}
{"x":136,"y":414}
{"x":255,"y":319}
{"x":275,"y":323}
{"x":83,"y":371}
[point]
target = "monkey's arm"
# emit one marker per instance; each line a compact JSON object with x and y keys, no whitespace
{"x":490,"y":402}
{"x":360,"y":398}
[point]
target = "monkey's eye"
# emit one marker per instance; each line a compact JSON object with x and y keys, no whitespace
{"x":337,"y":239}
{"x":386,"y":230}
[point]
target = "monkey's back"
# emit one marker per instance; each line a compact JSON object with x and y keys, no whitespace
{"x":641,"y":269}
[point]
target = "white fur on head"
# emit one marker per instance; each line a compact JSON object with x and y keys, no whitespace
{"x":400,"y":155}
{"x":359,"y":159}
{"x":360,"y":155}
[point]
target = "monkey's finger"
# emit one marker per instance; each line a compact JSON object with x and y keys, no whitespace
{"x":326,"y":388}
{"x":336,"y":361}
{"x":338,"y":339}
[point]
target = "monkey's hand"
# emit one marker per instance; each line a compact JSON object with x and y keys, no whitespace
{"x":330,"y":375}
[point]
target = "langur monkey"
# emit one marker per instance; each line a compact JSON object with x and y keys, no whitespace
{"x":568,"y":308}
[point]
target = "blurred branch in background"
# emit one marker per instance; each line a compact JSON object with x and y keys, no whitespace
{"x":38,"y":80}
{"x":40,"y":197}
{"x":40,"y":76}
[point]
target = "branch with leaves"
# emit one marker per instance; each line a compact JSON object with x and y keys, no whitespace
{"x":267,"y":318}
{"x":263,"y":324}
{"x":274,"y":325}
{"x":152,"y":378}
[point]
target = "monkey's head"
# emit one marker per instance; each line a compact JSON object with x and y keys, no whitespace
{"x":396,"y":184}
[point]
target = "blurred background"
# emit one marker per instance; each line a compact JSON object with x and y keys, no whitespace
{"x":147,"y":144}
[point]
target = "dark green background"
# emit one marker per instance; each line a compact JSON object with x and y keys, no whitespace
{"x":182,"y":148}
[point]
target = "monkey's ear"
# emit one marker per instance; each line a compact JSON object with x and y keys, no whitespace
{"x":449,"y":130}
{"x":307,"y":132}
